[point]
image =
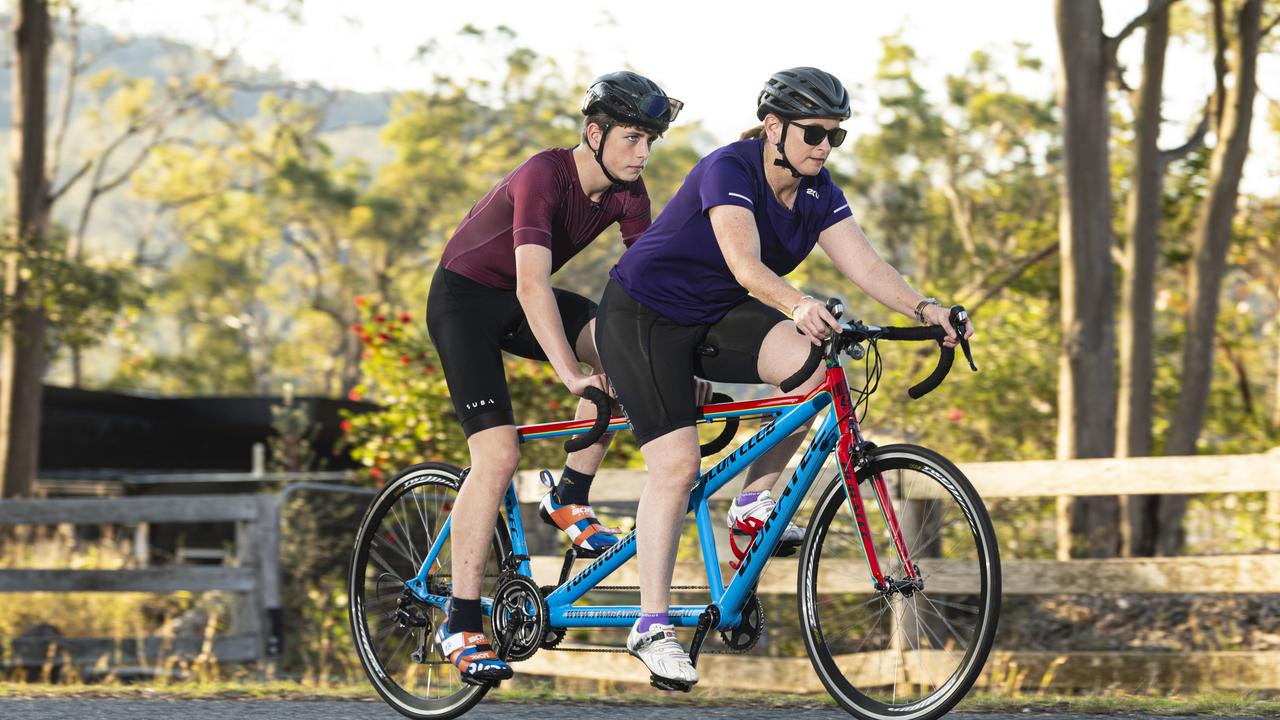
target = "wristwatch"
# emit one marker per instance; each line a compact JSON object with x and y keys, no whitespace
{"x":920,"y":307}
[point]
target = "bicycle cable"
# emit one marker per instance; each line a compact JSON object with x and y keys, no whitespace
{"x":873,"y":369}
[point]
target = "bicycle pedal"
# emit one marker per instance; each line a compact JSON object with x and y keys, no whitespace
{"x":786,"y":549}
{"x":669,"y":685}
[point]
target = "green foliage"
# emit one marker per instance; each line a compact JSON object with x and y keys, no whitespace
{"x":80,"y":299}
{"x":314,"y":550}
{"x":278,"y":233}
{"x":292,"y":446}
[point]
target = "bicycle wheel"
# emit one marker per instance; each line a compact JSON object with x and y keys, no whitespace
{"x":392,"y":629}
{"x":907,"y":654}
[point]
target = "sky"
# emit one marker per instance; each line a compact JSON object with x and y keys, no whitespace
{"x":712,"y":55}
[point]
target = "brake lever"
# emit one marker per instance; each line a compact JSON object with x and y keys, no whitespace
{"x":959,"y":318}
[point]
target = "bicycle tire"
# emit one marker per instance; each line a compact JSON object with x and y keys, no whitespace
{"x":938,"y":638}
{"x":395,"y":675}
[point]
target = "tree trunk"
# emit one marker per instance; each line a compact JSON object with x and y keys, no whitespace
{"x":22,"y":360}
{"x":1210,"y":244}
{"x":1137,"y":321}
{"x":1086,"y":372}
{"x":1275,"y":400}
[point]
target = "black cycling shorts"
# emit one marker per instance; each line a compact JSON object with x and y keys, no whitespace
{"x":470,"y":325}
{"x":652,"y":360}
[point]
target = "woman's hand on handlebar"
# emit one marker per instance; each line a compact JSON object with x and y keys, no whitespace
{"x":814,"y":321}
{"x":938,"y":315}
{"x":578,"y":384}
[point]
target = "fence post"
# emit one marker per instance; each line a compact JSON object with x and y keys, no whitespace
{"x":269,"y":579}
{"x":142,"y":544}
{"x":246,"y":607}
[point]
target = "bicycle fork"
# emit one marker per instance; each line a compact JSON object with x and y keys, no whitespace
{"x":851,"y":453}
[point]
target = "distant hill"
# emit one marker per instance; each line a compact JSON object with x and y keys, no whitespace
{"x":352,"y":122}
{"x":158,"y":58}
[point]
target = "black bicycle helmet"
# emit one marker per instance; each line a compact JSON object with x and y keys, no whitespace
{"x":803,"y":92}
{"x":631,"y":99}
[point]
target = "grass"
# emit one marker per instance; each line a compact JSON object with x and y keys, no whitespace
{"x":1204,"y":705}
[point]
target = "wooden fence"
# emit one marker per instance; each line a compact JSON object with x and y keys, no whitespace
{"x":255,"y":577}
{"x":255,"y":624}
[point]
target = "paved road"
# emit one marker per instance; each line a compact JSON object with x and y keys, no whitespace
{"x":331,"y":710}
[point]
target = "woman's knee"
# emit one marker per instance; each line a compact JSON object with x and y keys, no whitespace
{"x":785,"y":353}
{"x":673,"y":459}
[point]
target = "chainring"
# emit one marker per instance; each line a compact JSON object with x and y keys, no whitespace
{"x":747,"y":634}
{"x":519,"y":617}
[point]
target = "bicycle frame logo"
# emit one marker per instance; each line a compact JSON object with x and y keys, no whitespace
{"x":736,"y":455}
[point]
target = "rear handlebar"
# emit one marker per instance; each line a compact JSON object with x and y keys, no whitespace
{"x":597,"y":431}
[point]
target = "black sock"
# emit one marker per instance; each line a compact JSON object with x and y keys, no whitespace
{"x":464,"y":615}
{"x":574,"y":487}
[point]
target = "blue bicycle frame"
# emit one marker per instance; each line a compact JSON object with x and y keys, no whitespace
{"x":728,"y":598}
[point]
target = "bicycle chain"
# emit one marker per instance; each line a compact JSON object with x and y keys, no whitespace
{"x":620,"y":650}
{"x":636,"y":588}
{"x":609,"y":650}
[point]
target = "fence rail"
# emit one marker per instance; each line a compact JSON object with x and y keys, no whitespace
{"x":1034,"y":478}
{"x":1189,"y":575}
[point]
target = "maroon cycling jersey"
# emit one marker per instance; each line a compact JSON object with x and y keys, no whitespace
{"x":540,"y":203}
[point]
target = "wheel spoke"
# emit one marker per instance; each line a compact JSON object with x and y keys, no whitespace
{"x":395,"y":544}
{"x":408,"y":539}
{"x":386,"y":566}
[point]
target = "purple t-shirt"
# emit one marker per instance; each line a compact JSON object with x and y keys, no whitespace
{"x":540,"y":203}
{"x":676,"y":267}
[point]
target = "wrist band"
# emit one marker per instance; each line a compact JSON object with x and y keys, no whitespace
{"x":797,"y":305}
{"x":921,"y":305}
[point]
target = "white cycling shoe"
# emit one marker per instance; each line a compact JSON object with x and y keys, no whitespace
{"x":668,"y":663}
{"x":748,"y":519}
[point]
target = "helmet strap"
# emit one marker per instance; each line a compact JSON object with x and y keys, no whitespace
{"x":781,"y":161}
{"x":604,"y":133}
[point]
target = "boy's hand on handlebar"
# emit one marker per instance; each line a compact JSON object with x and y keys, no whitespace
{"x":702,"y":391}
{"x":937,"y":315}
{"x":814,"y":321}
{"x":578,"y":384}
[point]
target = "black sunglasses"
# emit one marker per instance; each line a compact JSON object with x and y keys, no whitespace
{"x":813,"y":134}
